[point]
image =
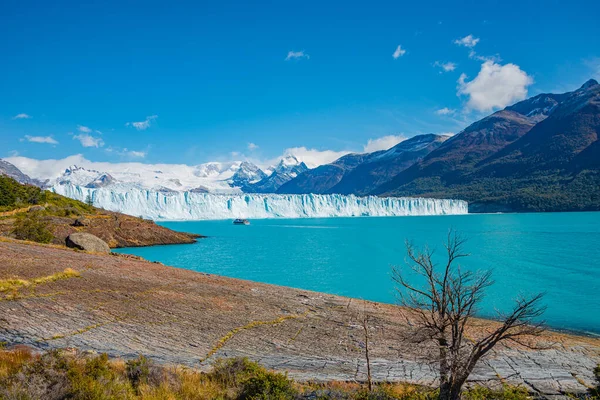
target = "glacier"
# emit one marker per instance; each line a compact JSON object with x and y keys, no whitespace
{"x":157,"y":205}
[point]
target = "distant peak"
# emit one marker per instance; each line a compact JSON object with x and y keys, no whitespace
{"x":589,"y":84}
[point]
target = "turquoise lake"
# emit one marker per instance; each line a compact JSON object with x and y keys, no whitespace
{"x":555,"y":253}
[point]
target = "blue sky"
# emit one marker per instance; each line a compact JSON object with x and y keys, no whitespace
{"x":203,"y":81}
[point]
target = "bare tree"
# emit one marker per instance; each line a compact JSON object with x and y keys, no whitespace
{"x":365,"y":324}
{"x":441,"y":309}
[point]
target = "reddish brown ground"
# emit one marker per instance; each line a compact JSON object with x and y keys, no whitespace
{"x":118,"y":230}
{"x":125,"y":306}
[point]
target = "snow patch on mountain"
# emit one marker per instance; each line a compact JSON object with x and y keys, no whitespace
{"x":215,"y":177}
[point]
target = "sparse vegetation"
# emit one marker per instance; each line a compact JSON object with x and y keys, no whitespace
{"x":10,"y":287}
{"x":66,"y":375}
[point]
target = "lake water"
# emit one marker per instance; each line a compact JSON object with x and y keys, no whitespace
{"x":555,"y":253}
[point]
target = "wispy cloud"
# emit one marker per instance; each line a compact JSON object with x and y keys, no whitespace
{"x":594,"y":65}
{"x":252,"y":146}
{"x":136,"y":153}
{"x":142,"y":125}
{"x":468,"y":41}
{"x":126,"y":152}
{"x":83,"y":129}
{"x":87,"y":140}
{"x":40,"y":139}
{"x":445,"y":111}
{"x":399,"y":52}
{"x":495,"y":86}
{"x":296,"y":55}
{"x":473,"y":55}
{"x":22,"y":116}
{"x":383,"y":143}
{"x":445,"y":66}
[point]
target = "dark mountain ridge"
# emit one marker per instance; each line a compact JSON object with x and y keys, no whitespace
{"x":361,"y":173}
{"x":541,"y":154}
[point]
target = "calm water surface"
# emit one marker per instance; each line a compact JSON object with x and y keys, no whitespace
{"x":556,"y":253}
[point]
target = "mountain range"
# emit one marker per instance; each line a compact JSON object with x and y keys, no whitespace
{"x":540,"y":154}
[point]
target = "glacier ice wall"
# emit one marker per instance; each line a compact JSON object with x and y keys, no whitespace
{"x":198,"y":206}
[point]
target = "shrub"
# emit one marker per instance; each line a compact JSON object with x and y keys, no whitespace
{"x":142,"y":370}
{"x":266,"y":385}
{"x":32,"y":227}
{"x":506,"y":393}
{"x":232,"y":372}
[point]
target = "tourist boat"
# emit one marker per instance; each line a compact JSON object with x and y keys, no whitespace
{"x":241,"y":221}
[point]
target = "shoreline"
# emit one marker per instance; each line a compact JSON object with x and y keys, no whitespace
{"x":125,"y":307}
{"x":566,"y":331}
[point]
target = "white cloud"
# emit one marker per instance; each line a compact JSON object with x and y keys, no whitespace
{"x":399,"y":52}
{"x":312,"y":157}
{"x":142,"y":125}
{"x":40,"y":139}
{"x":22,"y":116}
{"x":445,"y":66}
{"x":467,"y":41}
{"x":383,"y":143}
{"x":495,"y":86}
{"x":296,"y":55}
{"x":252,"y":146}
{"x":84,"y":129}
{"x":88,"y":140}
{"x":445,"y":111}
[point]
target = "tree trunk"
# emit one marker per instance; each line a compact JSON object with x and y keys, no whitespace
{"x":445,"y":377}
{"x":445,"y":391}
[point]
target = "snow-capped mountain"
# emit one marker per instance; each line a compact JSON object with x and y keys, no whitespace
{"x":247,"y":174}
{"x":214,"y":177}
{"x":287,"y":169}
{"x":79,"y":176}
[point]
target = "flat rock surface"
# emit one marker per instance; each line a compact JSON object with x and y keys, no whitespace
{"x":124,"y":307}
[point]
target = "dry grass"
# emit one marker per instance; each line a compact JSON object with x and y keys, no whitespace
{"x":10,"y":287}
{"x":60,"y":374}
{"x":249,"y":325}
{"x":12,"y":284}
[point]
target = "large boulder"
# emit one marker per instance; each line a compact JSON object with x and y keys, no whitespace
{"x":87,"y":242}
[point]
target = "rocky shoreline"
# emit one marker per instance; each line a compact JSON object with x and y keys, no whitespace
{"x":125,"y":307}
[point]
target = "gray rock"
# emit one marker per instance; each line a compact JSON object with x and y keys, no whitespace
{"x":87,"y":242}
{"x":36,"y":208}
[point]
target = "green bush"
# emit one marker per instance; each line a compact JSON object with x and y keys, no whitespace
{"x":232,"y":372}
{"x":506,"y":393}
{"x":266,"y":385}
{"x":32,"y":227}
